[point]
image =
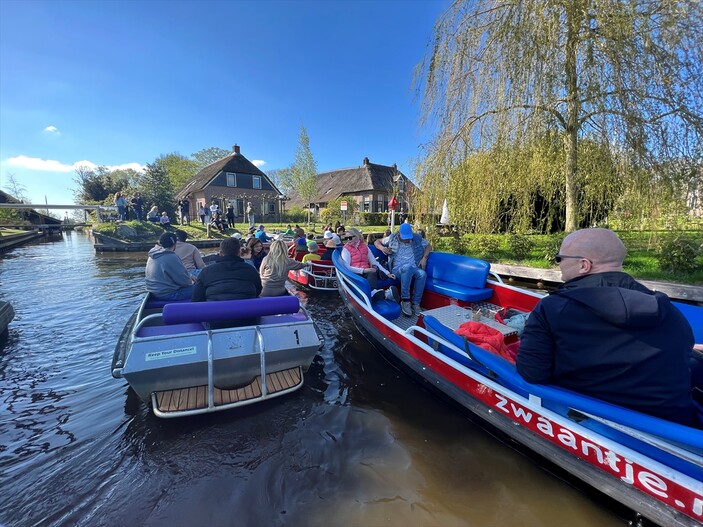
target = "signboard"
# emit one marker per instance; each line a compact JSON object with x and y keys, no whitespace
{"x":343,"y":205}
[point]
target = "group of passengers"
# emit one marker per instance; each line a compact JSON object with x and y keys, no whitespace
{"x":601,"y":333}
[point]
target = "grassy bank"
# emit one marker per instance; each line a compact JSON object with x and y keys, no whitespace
{"x":644,"y":258}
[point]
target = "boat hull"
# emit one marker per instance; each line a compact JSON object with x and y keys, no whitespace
{"x":644,"y":485}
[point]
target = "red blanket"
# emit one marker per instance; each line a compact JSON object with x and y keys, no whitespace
{"x":487,"y":338}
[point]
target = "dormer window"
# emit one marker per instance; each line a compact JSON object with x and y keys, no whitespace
{"x":256,"y":181}
{"x":231,"y":179}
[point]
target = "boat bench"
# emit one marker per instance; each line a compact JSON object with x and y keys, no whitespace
{"x":185,"y":317}
{"x":388,"y":309}
{"x":458,"y":277}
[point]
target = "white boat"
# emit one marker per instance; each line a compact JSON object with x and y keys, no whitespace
{"x":178,"y":357}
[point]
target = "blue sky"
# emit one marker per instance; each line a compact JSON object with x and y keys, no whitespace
{"x":118,"y":83}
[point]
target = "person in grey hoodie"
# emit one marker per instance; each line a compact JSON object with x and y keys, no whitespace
{"x":166,"y":276}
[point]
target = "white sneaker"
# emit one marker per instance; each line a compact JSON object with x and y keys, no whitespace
{"x":378,"y":294}
{"x":392,"y":294}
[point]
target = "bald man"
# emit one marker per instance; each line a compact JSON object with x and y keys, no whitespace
{"x":607,"y":336}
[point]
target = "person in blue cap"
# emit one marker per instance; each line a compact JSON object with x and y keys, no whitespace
{"x":262,"y":236}
{"x":407,"y":258}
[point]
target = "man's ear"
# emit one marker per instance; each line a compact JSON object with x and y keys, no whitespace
{"x":586,"y":266}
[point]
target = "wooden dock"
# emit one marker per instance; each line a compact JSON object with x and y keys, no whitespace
{"x":552,"y":278}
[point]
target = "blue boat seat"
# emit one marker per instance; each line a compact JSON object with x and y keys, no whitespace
{"x":174,"y":329}
{"x":388,"y":309}
{"x":458,"y":277}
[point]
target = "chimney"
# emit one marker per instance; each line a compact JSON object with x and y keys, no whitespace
{"x":236,"y":149}
{"x":395,"y":167}
{"x":366,"y":161}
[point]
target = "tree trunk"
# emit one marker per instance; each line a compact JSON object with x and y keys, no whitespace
{"x":572,"y":117}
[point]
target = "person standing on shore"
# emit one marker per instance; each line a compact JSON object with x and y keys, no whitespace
{"x":138,"y":206}
{"x":250,"y":214}
{"x":230,"y":216}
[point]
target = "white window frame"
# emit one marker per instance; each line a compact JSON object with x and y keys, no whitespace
{"x":233,"y":175}
{"x":256,"y":182}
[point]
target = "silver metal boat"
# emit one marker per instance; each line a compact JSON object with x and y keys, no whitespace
{"x":187,"y":358}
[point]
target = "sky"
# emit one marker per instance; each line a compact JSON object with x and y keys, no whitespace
{"x":119,"y":83}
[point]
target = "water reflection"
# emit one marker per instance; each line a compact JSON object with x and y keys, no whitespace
{"x":359,"y":444}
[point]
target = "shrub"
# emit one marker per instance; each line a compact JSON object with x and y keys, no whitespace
{"x":552,"y":248}
{"x":520,"y":245}
{"x":295,"y":215}
{"x":484,"y":246}
{"x":678,"y":255}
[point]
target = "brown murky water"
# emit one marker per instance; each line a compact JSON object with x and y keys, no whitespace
{"x":360,"y":444}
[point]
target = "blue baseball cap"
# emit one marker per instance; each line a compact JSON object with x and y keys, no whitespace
{"x":406,"y":231}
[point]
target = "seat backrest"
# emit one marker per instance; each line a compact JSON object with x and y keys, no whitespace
{"x":223,"y":310}
{"x":359,"y":281}
{"x":380,"y":256}
{"x":456,"y":269}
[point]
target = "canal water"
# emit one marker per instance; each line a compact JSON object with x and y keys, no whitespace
{"x":360,"y":444}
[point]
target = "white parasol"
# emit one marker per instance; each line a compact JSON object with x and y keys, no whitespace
{"x":444,"y":220}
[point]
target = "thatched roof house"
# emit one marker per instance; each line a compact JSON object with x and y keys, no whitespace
{"x":236,"y":180}
{"x":370,"y":185}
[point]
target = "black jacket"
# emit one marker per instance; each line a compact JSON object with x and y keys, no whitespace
{"x":608,"y":336}
{"x":230,"y":278}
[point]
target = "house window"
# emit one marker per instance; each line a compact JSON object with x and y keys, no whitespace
{"x":271,"y":207}
{"x":367,"y":203}
{"x":231,"y":179}
{"x":256,"y":181}
{"x":239,"y":207}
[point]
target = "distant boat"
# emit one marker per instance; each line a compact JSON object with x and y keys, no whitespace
{"x":6,"y":316}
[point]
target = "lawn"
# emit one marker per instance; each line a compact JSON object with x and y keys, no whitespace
{"x":643,"y":259}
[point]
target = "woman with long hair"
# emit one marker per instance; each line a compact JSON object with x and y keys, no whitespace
{"x":275,"y":267}
{"x":257,"y":252}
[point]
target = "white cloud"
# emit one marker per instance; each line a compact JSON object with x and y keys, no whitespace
{"x":258,"y":162}
{"x":50,"y":165}
{"x":52,"y":130}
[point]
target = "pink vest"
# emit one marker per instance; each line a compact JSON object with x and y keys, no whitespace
{"x":359,"y":256}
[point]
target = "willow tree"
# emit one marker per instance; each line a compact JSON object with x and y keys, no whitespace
{"x":626,"y":73}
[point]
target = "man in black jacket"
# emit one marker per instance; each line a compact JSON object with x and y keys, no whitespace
{"x":607,"y":336}
{"x":230,"y":278}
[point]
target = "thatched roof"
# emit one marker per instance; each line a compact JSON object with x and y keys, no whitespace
{"x":235,"y":162}
{"x":368,"y":177}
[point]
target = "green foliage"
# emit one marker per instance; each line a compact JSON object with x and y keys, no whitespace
{"x":484,"y":246}
{"x":207,"y":156}
{"x":514,"y":73}
{"x":178,"y":168}
{"x":370,"y":218}
{"x":156,"y":189}
{"x":679,"y":255}
{"x":520,"y":245}
{"x":12,"y":217}
{"x":304,"y":169}
{"x":295,"y":215}
{"x":95,"y":185}
{"x":551,"y":248}
{"x":333,"y":212}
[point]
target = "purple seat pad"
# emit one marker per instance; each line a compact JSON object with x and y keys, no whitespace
{"x":176,"y":329}
{"x":229,"y":309}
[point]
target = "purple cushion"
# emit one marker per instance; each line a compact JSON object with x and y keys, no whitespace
{"x":229,"y":309}
{"x":176,"y":329}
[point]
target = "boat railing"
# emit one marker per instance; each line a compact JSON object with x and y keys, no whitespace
{"x":262,"y":355}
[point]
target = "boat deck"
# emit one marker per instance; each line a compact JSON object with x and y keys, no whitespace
{"x":195,"y":398}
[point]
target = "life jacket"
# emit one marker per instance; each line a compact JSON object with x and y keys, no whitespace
{"x":359,"y":255}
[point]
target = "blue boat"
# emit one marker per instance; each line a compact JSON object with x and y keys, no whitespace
{"x":650,"y":465}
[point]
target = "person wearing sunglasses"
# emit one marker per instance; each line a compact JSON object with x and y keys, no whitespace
{"x":606,"y":335}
